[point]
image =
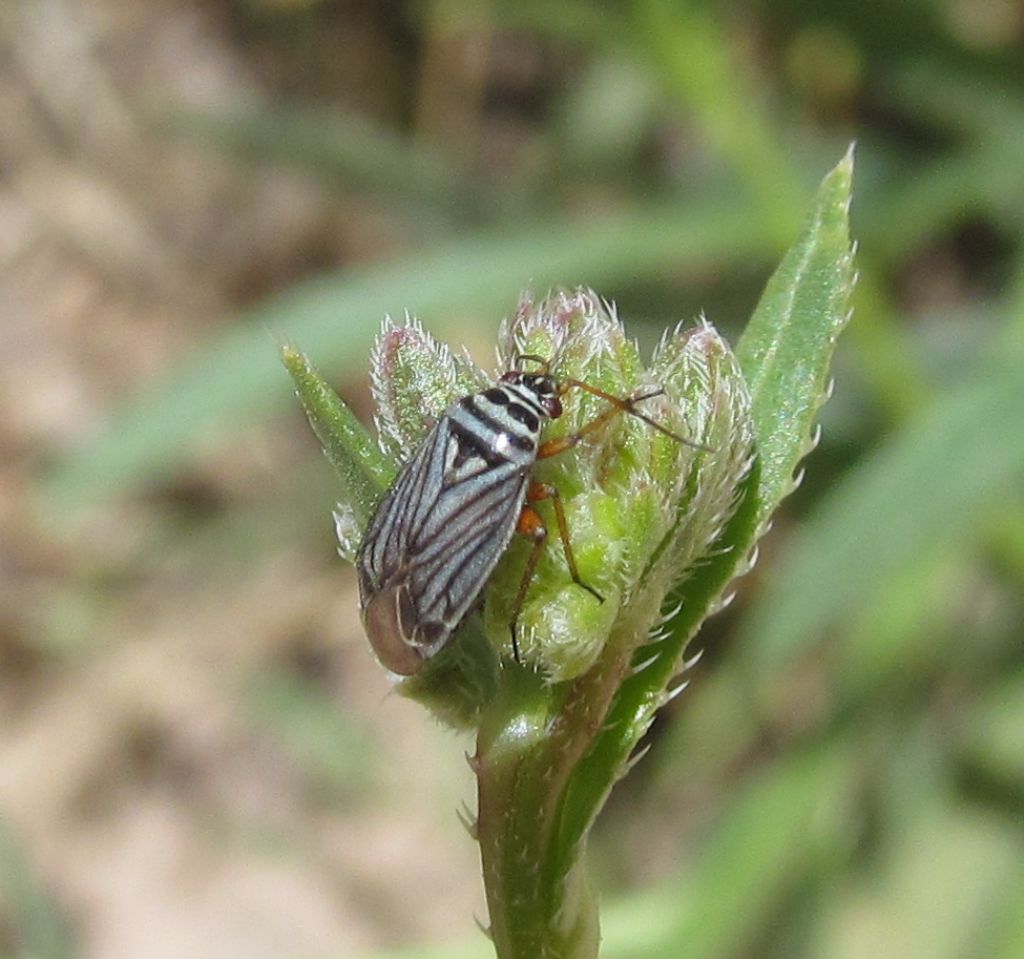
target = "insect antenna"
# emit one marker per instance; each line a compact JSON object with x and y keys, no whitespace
{"x":619,"y":404}
{"x":544,"y":364}
{"x":650,"y":421}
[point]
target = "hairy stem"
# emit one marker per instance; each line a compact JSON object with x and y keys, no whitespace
{"x":531,"y":742}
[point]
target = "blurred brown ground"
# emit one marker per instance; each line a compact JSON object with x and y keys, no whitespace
{"x":135,"y":783}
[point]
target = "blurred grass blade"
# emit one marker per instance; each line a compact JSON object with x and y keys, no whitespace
{"x":787,"y":347}
{"x":693,"y":55}
{"x":928,"y":487}
{"x":222,"y":387}
{"x":234,"y":378}
{"x":938,"y":890}
{"x":988,"y":107}
{"x":773,"y":835}
{"x":909,"y":212}
{"x":343,"y":150}
{"x":994,"y":738}
{"x":904,"y":631}
{"x":358,"y":462}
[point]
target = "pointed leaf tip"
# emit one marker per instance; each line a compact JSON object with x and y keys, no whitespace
{"x":360,"y":466}
{"x":787,"y":348}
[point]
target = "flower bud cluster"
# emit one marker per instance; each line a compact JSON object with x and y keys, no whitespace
{"x":642,"y":507}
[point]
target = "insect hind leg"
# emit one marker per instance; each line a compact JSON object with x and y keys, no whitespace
{"x":540,"y":491}
{"x":531,"y":525}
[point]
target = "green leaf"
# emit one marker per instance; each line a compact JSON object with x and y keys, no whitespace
{"x":785,"y":355}
{"x":786,"y":349}
{"x":233,"y":379}
{"x":361,"y":467}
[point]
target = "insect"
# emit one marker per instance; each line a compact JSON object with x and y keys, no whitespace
{"x":439,"y":531}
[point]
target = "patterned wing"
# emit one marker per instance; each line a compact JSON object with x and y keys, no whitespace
{"x":434,"y":539}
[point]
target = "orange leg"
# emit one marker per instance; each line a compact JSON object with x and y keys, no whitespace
{"x":618,"y":405}
{"x":531,"y":525}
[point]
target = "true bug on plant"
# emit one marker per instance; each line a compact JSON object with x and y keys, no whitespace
{"x":438,"y":532}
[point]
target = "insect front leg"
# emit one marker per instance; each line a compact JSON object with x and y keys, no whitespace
{"x":531,"y":525}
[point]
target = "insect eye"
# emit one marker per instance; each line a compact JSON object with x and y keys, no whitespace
{"x":552,"y":406}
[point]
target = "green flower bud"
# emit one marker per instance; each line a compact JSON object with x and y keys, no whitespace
{"x":645,"y":489}
{"x":701,"y":374}
{"x":413,"y":378}
{"x":635,"y":506}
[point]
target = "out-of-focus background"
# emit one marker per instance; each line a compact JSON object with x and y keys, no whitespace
{"x":199,"y":756}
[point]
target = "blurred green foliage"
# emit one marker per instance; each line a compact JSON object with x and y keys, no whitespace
{"x":853,"y":744}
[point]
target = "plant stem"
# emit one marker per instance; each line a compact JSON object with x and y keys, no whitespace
{"x":531,"y":741}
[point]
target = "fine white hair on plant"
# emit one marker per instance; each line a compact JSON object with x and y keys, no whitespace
{"x":413,"y":378}
{"x":348,"y":530}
